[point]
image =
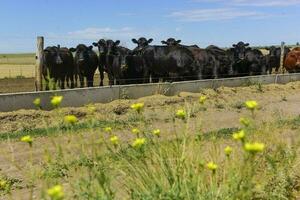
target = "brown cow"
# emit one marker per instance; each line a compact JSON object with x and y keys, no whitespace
{"x":292,"y":61}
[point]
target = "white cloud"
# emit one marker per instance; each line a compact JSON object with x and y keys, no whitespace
{"x":92,"y":34}
{"x":97,"y":33}
{"x":197,"y":15}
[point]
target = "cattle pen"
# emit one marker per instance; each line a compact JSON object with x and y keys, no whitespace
{"x":84,"y":96}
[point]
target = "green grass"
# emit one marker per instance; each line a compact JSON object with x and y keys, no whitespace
{"x":84,"y":161}
{"x":62,"y":129}
{"x":166,"y":168}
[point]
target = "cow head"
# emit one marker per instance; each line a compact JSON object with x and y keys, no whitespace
{"x":240,"y":50}
{"x":82,"y":52}
{"x":295,"y":57}
{"x":171,"y":42}
{"x":51,"y":54}
{"x":142,"y":43}
{"x":112,"y":47}
{"x":102,"y":47}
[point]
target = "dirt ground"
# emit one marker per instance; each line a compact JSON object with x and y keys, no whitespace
{"x":223,"y":109}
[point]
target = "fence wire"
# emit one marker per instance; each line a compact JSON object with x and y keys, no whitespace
{"x":17,"y":71}
{"x":22,"y":84}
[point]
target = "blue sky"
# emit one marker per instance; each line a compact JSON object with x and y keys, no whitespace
{"x":201,"y":22}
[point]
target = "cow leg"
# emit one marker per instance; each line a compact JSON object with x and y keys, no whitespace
{"x":110,"y":79}
{"x":90,"y":80}
{"x":81,"y":79}
{"x":62,"y":82}
{"x":76,"y":80}
{"x":72,"y":81}
{"x":68,"y":79}
{"x":101,"y":70}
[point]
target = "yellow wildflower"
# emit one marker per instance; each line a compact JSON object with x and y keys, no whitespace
{"x":135,"y":131}
{"x":240,"y":135}
{"x":245,"y":121}
{"x":70,"y":119}
{"x":181,"y":114}
{"x":212,"y":166}
{"x":254,"y":147}
{"x":37,"y":102}
{"x":108,"y":129}
{"x":138,"y":143}
{"x":156,"y":132}
{"x":56,"y":101}
{"x":114,"y":140}
{"x":251,"y":105}
{"x":3,"y":184}
{"x":91,"y":108}
{"x":137,"y":107}
{"x":228,"y":151}
{"x":202,"y":99}
{"x":27,"y":139}
{"x":56,"y":192}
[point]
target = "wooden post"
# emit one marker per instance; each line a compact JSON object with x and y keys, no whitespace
{"x":39,"y":64}
{"x":281,"y":69}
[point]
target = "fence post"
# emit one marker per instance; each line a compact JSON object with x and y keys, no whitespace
{"x":39,"y":64}
{"x":281,"y":69}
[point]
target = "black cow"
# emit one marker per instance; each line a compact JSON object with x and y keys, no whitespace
{"x":211,"y":62}
{"x":273,"y":58}
{"x":134,"y":69}
{"x":205,"y":62}
{"x":141,"y":44}
{"x":174,"y":42}
{"x":170,"y":62}
{"x":102,"y":48}
{"x":246,"y":61}
{"x":86,"y":62}
{"x":58,"y":65}
{"x":225,"y":66}
{"x":115,"y":59}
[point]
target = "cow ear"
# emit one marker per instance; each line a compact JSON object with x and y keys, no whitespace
{"x":150,"y":40}
{"x":134,"y":41}
{"x":178,"y":41}
{"x":95,"y":44}
{"x":247,"y":44}
{"x":117,"y":42}
{"x":90,"y":47}
{"x":164,"y":42}
{"x":72,"y":49}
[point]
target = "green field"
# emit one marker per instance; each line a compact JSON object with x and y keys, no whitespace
{"x":86,"y":160}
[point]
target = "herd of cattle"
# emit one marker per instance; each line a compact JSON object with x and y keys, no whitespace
{"x":171,"y":61}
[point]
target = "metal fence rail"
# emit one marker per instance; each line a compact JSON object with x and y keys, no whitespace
{"x":80,"y":97}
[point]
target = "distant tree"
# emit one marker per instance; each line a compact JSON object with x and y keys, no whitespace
{"x":297,"y":43}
